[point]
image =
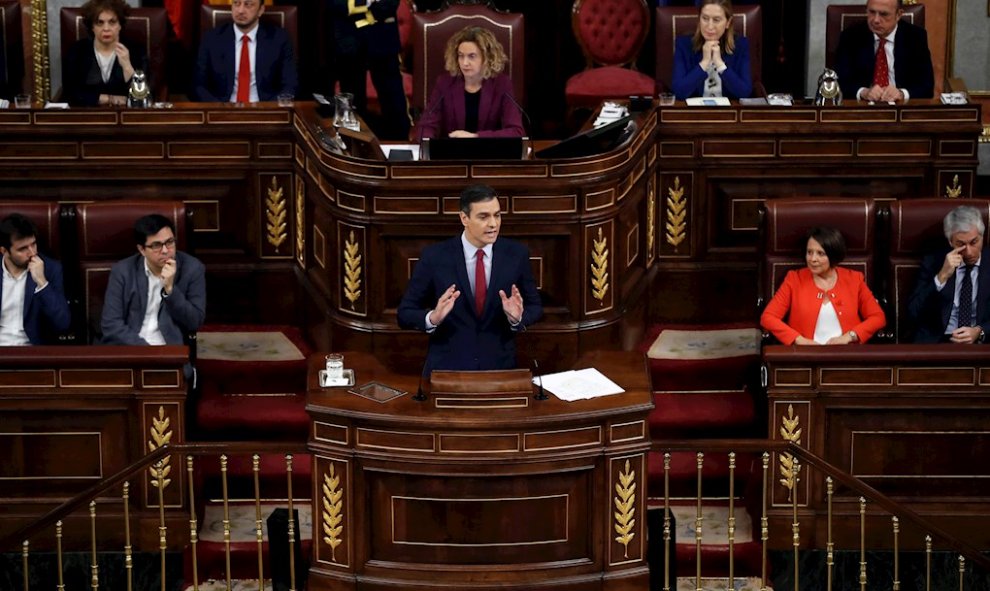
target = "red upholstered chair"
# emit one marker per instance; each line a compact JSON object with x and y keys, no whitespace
{"x":283,"y":16}
{"x":11,"y":48}
{"x":611,"y":34}
{"x":145,"y":26}
{"x":105,"y":235}
{"x":840,"y":16}
{"x":676,"y":21}
{"x":430,"y":33}
{"x":785,"y":222}
{"x":915,"y":230}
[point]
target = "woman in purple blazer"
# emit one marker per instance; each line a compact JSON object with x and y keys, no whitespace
{"x":475,"y":99}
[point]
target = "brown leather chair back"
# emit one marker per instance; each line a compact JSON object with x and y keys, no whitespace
{"x":840,"y":16}
{"x":430,"y":33}
{"x":785,"y":222}
{"x":11,"y":48}
{"x":282,"y":16}
{"x":105,"y":235}
{"x":916,"y":230}
{"x":676,"y":21}
{"x":147,"y":27}
{"x":46,"y":216}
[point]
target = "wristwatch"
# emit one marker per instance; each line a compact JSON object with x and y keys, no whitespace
{"x":982,"y":338}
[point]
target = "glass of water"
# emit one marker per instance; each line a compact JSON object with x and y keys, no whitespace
{"x":335,"y":367}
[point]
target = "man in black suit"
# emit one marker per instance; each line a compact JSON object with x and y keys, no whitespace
{"x":476,"y":331}
{"x":884,"y":38}
{"x":246,"y":60}
{"x":951,"y":302}
{"x":366,"y":38}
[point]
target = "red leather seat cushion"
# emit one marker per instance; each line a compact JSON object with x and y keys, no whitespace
{"x":702,"y":375}
{"x":703,"y":415}
{"x":590,"y":87}
{"x":251,"y":416}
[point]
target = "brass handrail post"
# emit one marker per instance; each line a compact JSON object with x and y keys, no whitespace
{"x":732,"y":519}
{"x":962,"y":571}
{"x":928,"y":563}
{"x":698,"y":522}
{"x":58,"y":554}
{"x":94,"y":568}
{"x":897,"y":578}
{"x":259,"y":535}
{"x":764,"y":522}
{"x":25,"y":550}
{"x":128,"y":558}
{"x":193,"y":526}
{"x":162,"y":528}
{"x":666,"y":521}
{"x":292,"y":524}
{"x":226,"y":516}
{"x":829,"y":543}
{"x":862,"y":544}
{"x":796,"y":525}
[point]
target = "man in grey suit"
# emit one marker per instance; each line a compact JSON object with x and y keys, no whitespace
{"x":157,"y":295}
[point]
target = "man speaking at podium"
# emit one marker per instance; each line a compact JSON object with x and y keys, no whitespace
{"x":472,"y":293}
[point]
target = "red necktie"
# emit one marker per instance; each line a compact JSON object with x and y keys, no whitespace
{"x":244,"y":72}
{"x":881,"y":77}
{"x":480,"y":285}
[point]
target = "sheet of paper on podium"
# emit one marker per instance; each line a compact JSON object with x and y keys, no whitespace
{"x":581,"y":384}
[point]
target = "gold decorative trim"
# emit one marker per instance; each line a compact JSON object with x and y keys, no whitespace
{"x":39,"y":48}
{"x":676,"y":214}
{"x":651,"y":216}
{"x":790,"y":430}
{"x":301,"y":221}
{"x":161,"y":434}
{"x":275,"y":215}
{"x":333,"y":511}
{"x":352,"y":269}
{"x":985,"y":135}
{"x":319,"y":247}
{"x":599,"y":267}
{"x":632,"y":245}
{"x":625,"y":507}
{"x":955,"y":190}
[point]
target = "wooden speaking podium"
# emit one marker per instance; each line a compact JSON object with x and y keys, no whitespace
{"x":479,"y":490}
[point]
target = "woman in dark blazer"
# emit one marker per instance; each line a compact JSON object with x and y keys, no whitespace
{"x":712,"y":62}
{"x":98,"y":71}
{"x":475,"y":99}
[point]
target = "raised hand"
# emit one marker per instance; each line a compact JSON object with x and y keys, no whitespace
{"x":168,"y":275}
{"x":953,"y":259}
{"x":444,"y":305}
{"x":512,"y":305}
{"x":36,"y":267}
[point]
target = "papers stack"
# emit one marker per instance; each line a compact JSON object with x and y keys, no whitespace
{"x":953,"y":98}
{"x":708,"y":101}
{"x":581,"y":384}
{"x":610,"y":112}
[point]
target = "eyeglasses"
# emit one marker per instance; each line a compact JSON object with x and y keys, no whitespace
{"x":158,"y":246}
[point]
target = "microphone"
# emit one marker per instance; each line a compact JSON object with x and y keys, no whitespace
{"x":541,"y":395}
{"x":508,"y":95}
{"x":433,"y":109}
{"x":420,"y":396}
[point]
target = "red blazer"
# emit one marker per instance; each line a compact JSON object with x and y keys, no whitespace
{"x":498,"y":113}
{"x":797,"y":298}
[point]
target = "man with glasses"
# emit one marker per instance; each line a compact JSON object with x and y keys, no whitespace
{"x":157,"y":295}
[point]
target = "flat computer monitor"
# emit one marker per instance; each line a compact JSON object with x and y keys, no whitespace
{"x":472,"y":148}
{"x":592,"y":141}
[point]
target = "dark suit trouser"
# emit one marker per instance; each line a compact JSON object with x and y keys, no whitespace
{"x":387,"y":78}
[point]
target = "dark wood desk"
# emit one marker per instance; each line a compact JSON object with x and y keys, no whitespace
{"x":74,"y":415}
{"x":524,"y":495}
{"x":909,"y":420}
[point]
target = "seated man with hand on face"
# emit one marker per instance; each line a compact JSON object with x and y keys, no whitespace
{"x":157,"y":295}
{"x":473,"y":292}
{"x":884,"y":58}
{"x":245,"y":61}
{"x":32,"y":304}
{"x":951,"y":302}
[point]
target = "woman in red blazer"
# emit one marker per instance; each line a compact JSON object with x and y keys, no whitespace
{"x":824,"y":304}
{"x":474,"y":99}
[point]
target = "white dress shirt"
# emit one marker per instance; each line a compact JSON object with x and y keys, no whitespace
{"x":12,"y":308}
{"x":149,"y":326}
{"x":889,"y":50}
{"x":470,"y":261}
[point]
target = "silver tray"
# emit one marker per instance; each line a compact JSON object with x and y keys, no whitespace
{"x":347,"y":381}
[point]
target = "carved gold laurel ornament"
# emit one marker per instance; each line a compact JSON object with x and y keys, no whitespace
{"x":599,"y":267}
{"x":333,"y":511}
{"x":676,"y":214}
{"x":300,"y":222}
{"x":161,"y":434}
{"x":955,"y":191}
{"x":790,"y":430}
{"x":651,"y":218}
{"x":39,"y":47}
{"x":625,"y":507}
{"x":352,"y":269}
{"x":275,"y":215}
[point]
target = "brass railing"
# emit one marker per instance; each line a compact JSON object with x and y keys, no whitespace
{"x":803,"y":465}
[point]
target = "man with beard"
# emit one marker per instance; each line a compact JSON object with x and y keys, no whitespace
{"x":33,"y":308}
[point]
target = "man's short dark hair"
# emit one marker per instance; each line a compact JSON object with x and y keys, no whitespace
{"x":832,"y":243}
{"x":476,"y":194}
{"x":16,"y":227}
{"x":150,"y":225}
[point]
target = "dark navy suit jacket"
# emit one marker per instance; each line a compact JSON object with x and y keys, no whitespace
{"x":689,"y":78}
{"x":275,"y":66}
{"x":126,"y":302}
{"x":463,"y":341}
{"x":855,"y":59}
{"x":498,"y":114}
{"x":929,"y":308}
{"x":46,"y":313}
